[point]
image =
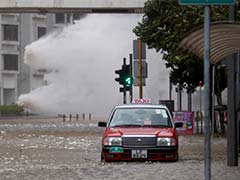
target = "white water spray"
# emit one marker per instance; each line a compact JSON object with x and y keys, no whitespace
{"x":80,"y":61}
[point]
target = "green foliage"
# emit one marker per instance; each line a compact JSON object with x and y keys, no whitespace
{"x":164,"y":24}
{"x":12,"y":109}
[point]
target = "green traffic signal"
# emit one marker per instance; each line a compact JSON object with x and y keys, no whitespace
{"x":127,"y":78}
{"x":124,"y":76}
{"x":128,"y":81}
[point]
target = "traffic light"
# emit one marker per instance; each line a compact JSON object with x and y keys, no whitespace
{"x":127,"y":78}
{"x":120,"y":78}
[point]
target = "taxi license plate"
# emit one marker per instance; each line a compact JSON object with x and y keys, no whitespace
{"x":139,"y":154}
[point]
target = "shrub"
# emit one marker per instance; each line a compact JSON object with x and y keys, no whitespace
{"x":12,"y":109}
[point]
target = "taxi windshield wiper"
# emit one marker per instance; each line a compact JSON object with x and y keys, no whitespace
{"x":137,"y":125}
{"x":127,"y":125}
{"x":156,"y":125}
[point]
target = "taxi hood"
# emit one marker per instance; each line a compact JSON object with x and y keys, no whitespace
{"x":119,"y":131}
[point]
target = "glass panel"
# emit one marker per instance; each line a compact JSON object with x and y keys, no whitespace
{"x":59,"y":18}
{"x":10,"y":32}
{"x":10,"y":62}
{"x":41,"y":31}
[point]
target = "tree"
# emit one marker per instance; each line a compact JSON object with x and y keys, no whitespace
{"x":164,"y":25}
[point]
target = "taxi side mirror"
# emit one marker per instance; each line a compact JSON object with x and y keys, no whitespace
{"x":102,"y":124}
{"x":178,"y":124}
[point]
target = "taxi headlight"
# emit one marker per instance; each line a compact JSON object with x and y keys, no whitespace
{"x":166,"y":142}
{"x":112,"y":141}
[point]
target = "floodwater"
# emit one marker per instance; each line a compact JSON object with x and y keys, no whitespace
{"x":50,"y":148}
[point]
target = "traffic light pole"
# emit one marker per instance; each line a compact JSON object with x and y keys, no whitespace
{"x":124,"y":88}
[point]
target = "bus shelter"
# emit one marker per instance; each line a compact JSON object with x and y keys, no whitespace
{"x":224,"y":44}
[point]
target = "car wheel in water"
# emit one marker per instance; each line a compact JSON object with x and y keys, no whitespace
{"x":177,"y":157}
{"x":102,"y":158}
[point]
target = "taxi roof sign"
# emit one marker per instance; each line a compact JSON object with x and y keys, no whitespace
{"x":141,"y":101}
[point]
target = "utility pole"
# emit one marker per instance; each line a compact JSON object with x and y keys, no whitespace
{"x":140,"y":68}
{"x":232,"y":143}
{"x":207,"y":95}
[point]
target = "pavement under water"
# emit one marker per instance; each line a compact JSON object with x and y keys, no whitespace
{"x":48,"y":148}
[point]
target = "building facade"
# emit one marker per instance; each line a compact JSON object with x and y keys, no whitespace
{"x":16,"y":32}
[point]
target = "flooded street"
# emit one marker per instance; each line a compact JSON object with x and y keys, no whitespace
{"x":52,"y":149}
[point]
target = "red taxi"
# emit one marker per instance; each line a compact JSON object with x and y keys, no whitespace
{"x":142,"y":132}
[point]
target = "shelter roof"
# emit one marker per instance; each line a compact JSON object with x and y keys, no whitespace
{"x":224,"y":40}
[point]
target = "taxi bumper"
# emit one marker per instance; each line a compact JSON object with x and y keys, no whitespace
{"x":153,"y":154}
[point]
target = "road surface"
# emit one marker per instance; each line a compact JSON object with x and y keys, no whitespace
{"x":48,"y":148}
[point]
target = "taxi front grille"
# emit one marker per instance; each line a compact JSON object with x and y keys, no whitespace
{"x":139,"y":141}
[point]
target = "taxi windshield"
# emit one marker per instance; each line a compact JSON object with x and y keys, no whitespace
{"x":158,"y":117}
